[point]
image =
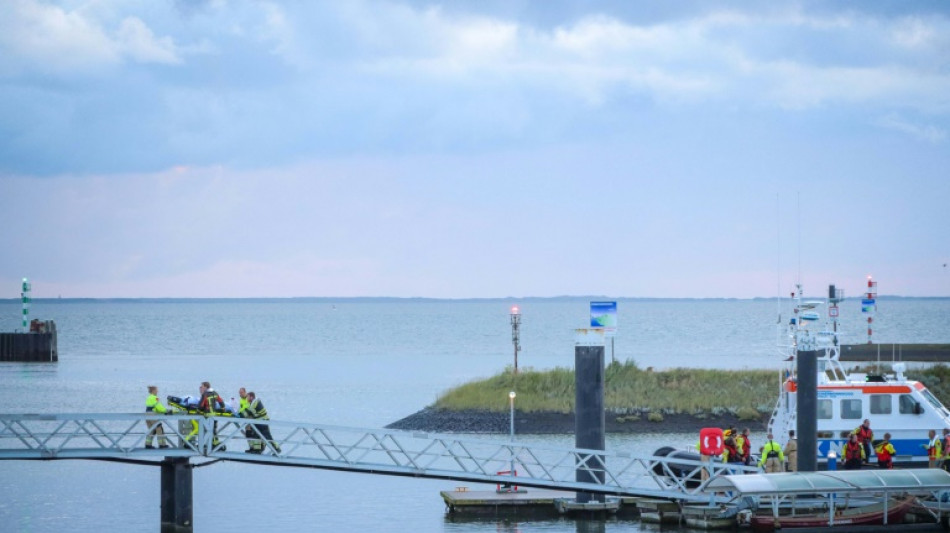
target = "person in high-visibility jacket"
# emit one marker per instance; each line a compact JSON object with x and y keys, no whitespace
{"x":244,"y":404}
{"x":865,"y":438}
{"x":154,"y":405}
{"x":730,"y":452}
{"x":242,"y":412}
{"x":945,"y":460}
{"x":934,"y":449}
{"x":885,"y":453}
{"x":744,"y":443}
{"x":853,"y":453}
{"x":257,"y":411}
{"x":772,"y":457}
{"x":213,"y":405}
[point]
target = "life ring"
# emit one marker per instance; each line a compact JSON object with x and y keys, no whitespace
{"x":710,"y":441}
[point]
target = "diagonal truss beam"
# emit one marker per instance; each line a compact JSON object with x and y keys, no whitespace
{"x":296,"y":444}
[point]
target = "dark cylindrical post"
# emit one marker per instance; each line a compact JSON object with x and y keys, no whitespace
{"x":807,"y":417}
{"x":176,"y":495}
{"x":589,"y":423}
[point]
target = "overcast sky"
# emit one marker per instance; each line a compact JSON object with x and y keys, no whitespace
{"x":473,"y":149}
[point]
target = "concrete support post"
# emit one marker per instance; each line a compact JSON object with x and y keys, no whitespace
{"x":176,"y":495}
{"x":807,"y":417}
{"x":589,"y":422}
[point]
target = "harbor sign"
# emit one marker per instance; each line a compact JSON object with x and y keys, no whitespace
{"x":603,"y":315}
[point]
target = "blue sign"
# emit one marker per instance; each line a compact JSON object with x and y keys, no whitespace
{"x":604,"y":315}
{"x":867,"y":305}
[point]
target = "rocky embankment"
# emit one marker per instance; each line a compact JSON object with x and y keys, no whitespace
{"x":540,"y":423}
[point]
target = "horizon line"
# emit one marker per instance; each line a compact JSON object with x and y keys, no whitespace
{"x":430,"y":298}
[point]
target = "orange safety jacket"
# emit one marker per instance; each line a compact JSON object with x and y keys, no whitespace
{"x":884,"y":452}
{"x":864,"y":434}
{"x":853,"y":450}
{"x":731,"y":454}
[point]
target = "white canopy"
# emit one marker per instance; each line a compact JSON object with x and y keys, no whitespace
{"x":910,"y":480}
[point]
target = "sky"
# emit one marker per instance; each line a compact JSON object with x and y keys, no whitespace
{"x":491,"y":149}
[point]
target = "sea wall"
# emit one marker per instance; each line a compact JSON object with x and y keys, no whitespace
{"x":923,"y":353}
{"x":37,"y":346}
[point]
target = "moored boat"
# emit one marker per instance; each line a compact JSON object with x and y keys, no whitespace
{"x":892,"y":402}
{"x":874,"y":514}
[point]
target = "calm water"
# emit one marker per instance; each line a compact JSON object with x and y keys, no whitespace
{"x":353,"y":363}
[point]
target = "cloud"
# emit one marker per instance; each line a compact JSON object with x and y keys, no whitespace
{"x":135,"y":40}
{"x":928,"y":132}
{"x":35,"y":36}
{"x":267,"y":83}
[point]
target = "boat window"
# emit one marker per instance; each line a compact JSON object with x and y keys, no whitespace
{"x":880,"y":404}
{"x":907,"y":404}
{"x":930,"y":398}
{"x":824,"y":409}
{"x":851,"y":409}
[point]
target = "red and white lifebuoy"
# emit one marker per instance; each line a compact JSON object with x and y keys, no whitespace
{"x":710,"y":441}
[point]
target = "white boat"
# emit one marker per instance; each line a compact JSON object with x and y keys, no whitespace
{"x":893,"y":404}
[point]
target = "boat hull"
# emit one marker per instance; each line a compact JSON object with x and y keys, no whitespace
{"x":862,"y":516}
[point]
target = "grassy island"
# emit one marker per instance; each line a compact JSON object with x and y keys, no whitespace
{"x":634,"y":394}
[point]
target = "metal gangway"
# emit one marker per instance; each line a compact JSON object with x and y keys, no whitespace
{"x":122,"y":437}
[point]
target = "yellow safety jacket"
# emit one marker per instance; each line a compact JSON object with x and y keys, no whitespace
{"x":885,"y":451}
{"x":771,"y":449}
{"x":256,"y":410}
{"x":153,"y":404}
{"x":934,"y":448}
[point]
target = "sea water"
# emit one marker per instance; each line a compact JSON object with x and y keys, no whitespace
{"x":362,"y":363}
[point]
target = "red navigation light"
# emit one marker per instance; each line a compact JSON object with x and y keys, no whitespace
{"x":514,"y":310}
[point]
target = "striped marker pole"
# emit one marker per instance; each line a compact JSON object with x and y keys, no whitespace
{"x":25,"y":295}
{"x":871,"y":296}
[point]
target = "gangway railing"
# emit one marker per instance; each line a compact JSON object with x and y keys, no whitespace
{"x":122,"y":437}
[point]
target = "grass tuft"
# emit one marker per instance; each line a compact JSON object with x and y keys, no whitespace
{"x":629,"y":390}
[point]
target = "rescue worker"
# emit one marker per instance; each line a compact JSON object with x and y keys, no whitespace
{"x":211,"y":404}
{"x":865,"y":438}
{"x":745,"y":446}
{"x":154,"y":405}
{"x":242,"y":412}
{"x":791,"y":452}
{"x":730,"y":452}
{"x":242,"y":392}
{"x":256,"y":410}
{"x":772,"y":457}
{"x":945,"y":464}
{"x":885,"y":453}
{"x":933,"y":447}
{"x":853,"y":453}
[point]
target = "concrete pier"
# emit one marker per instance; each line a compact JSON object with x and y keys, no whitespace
{"x":36,"y":346}
{"x":176,"y":496}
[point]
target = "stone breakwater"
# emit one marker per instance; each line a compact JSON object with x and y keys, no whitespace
{"x":549,"y":423}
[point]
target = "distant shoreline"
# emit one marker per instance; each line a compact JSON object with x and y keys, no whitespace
{"x":435,"y":420}
{"x":410,"y":299}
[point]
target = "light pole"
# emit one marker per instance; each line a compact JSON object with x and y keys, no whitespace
{"x":511,"y":401}
{"x":511,"y":398}
{"x":516,"y":333}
